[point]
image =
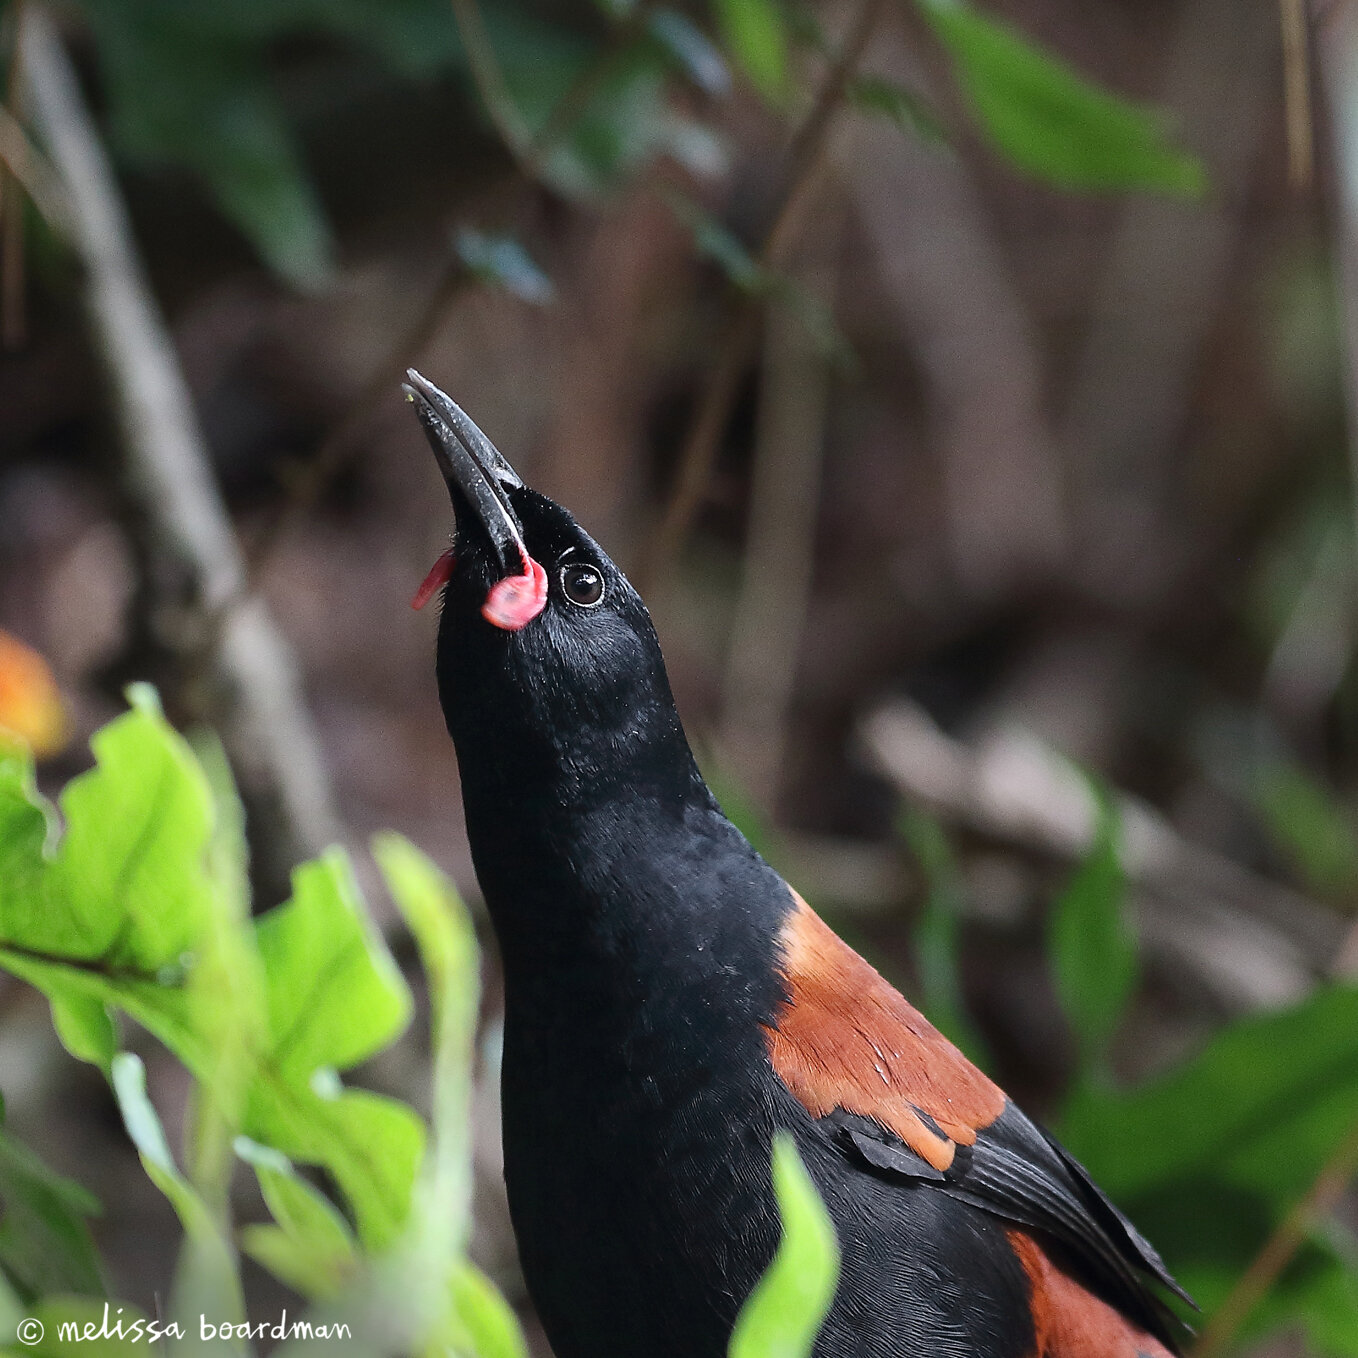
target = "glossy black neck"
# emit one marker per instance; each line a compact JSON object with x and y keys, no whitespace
{"x":606,"y":864}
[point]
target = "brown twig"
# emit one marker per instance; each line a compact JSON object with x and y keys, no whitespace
{"x":1280,"y":1248}
{"x":775,"y":587}
{"x":252,"y":692}
{"x":1337,"y":49}
{"x":805,"y":158}
{"x":1297,"y":91}
{"x":13,"y":321}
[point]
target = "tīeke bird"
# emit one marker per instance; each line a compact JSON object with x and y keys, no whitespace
{"x":670,"y":1002}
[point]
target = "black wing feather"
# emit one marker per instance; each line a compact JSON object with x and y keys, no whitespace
{"x":1018,"y":1172}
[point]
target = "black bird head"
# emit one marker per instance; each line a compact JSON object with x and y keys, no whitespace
{"x":550,"y":674}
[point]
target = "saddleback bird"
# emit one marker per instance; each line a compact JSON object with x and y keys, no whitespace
{"x":670,"y":1002}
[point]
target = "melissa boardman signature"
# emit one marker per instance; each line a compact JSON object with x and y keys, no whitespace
{"x":140,"y":1330}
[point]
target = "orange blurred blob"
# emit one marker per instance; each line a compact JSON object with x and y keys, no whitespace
{"x":30,"y":705}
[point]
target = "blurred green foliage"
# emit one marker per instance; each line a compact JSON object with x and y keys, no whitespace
{"x":1047,"y":120}
{"x":1208,"y":1157}
{"x":137,"y":910}
{"x":1092,"y":949}
{"x":586,"y":104}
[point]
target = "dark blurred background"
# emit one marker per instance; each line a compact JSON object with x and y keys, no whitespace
{"x":955,"y":447}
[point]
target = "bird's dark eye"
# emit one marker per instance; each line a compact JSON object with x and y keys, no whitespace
{"x":583,"y":584}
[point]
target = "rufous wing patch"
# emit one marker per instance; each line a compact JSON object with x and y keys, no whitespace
{"x":846,"y":1038}
{"x":1068,"y":1320}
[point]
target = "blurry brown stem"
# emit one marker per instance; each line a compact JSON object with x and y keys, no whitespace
{"x":13,"y":325}
{"x":1278,"y":1251}
{"x":249,"y":688}
{"x":775,"y":587}
{"x":1338,"y":53}
{"x":806,"y":157}
{"x":1297,"y":87}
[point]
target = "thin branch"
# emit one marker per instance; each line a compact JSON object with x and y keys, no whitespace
{"x":30,"y":169}
{"x":13,"y":320}
{"x":1320,"y":1200}
{"x":1297,"y":90}
{"x":490,"y":81}
{"x":806,"y":157}
{"x":252,"y":691}
{"x":775,"y":586}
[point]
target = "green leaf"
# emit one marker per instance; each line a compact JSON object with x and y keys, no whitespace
{"x":715,"y":243}
{"x":484,"y":1322}
{"x":1051,"y":122}
{"x":502,"y":262}
{"x":789,"y":1303}
{"x":937,"y":936}
{"x":755,"y":33}
{"x":310,"y":1247}
{"x":85,"y":1027}
{"x":206,"y":1280}
{"x":225,"y":992}
{"x":334,"y":998}
{"x":1208,"y":1158}
{"x":141,"y":907}
{"x":474,"y":1318}
{"x":887,"y":99}
{"x":1312,"y":826}
{"x":1260,"y":1108}
{"x":1093,"y":951}
{"x":626,"y":119}
{"x":186,"y":91}
{"x":45,"y":1243}
{"x":110,"y":914}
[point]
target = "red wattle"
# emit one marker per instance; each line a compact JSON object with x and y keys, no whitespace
{"x":434,"y":581}
{"x":517,"y":599}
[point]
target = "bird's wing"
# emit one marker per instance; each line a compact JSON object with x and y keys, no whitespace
{"x":902,"y":1101}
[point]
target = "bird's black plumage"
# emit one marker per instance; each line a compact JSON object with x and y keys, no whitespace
{"x":648,"y":980}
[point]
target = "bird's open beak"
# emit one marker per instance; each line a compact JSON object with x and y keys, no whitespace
{"x":473,"y":468}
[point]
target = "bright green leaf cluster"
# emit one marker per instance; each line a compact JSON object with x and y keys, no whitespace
{"x":137,"y":909}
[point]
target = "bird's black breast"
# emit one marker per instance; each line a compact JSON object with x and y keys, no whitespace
{"x":645,"y":1216}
